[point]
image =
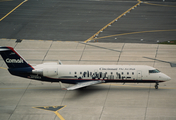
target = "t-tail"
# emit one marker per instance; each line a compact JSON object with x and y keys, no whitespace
{"x":17,"y":65}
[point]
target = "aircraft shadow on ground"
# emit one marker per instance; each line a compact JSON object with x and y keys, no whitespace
{"x":171,"y":63}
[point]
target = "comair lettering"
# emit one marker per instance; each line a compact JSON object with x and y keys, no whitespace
{"x":14,"y":60}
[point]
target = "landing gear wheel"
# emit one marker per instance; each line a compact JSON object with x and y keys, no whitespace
{"x":156,"y":86}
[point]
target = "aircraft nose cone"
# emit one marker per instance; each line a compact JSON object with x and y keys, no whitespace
{"x":165,"y":77}
{"x":168,"y":78}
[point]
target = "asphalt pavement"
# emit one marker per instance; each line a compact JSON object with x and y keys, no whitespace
{"x":61,"y":20}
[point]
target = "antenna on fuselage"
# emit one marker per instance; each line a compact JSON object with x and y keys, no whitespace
{"x":60,"y":63}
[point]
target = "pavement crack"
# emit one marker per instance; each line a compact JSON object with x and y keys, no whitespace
{"x":19,"y":100}
{"x":147,"y":102}
{"x":120,"y":53}
{"x":82,"y":52}
{"x":156,"y":55}
{"x":47,"y":51}
{"x":104,"y":102}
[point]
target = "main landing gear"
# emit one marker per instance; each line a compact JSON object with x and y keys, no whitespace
{"x":156,"y":85}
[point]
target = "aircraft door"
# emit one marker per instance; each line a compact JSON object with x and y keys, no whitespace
{"x":139,"y":75}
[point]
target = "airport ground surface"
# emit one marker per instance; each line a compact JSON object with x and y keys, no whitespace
{"x":98,"y":102}
{"x":78,"y":20}
{"x":43,"y":24}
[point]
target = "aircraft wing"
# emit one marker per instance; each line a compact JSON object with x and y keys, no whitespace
{"x":84,"y":84}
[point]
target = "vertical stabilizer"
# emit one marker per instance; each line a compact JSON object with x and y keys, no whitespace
{"x":13,"y":59}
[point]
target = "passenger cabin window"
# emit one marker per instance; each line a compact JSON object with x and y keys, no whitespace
{"x":90,"y":73}
{"x":154,"y":71}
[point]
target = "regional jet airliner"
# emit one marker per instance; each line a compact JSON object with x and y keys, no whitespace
{"x":80,"y":75}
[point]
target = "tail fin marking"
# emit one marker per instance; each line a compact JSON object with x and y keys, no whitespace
{"x":12,"y":58}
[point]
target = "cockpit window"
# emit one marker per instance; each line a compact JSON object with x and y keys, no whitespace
{"x":154,"y":71}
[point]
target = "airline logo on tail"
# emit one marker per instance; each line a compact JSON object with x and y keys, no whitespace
{"x":8,"y":60}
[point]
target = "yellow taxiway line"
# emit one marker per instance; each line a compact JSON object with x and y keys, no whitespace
{"x":58,"y":115}
{"x":13,"y":10}
{"x":109,"y":24}
{"x":130,"y":33}
{"x":3,"y":68}
{"x":56,"y":112}
{"x":159,"y":4}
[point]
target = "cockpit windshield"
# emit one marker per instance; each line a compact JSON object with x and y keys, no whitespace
{"x":154,"y":71}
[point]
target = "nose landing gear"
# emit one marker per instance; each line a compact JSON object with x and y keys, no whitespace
{"x":156,"y":85}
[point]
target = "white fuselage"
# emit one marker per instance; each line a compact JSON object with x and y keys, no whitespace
{"x":109,"y":73}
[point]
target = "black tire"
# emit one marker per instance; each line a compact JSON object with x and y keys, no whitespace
{"x":156,"y":86}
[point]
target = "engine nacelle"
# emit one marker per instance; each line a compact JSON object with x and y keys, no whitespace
{"x":50,"y":71}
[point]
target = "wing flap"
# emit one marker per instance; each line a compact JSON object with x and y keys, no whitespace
{"x":84,"y":84}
